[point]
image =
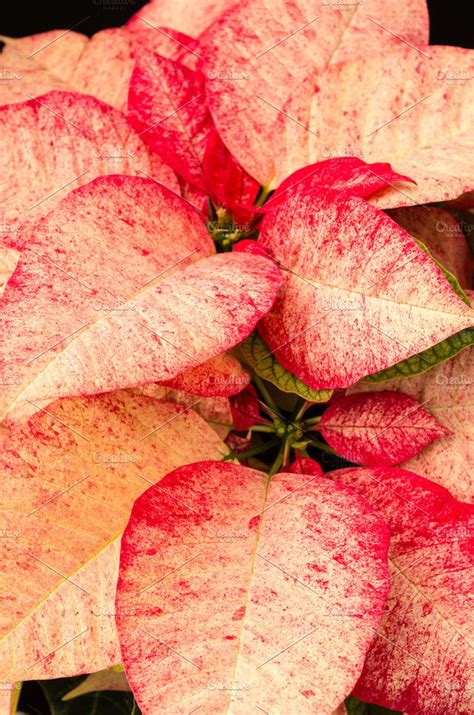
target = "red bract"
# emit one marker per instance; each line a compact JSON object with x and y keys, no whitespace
{"x":228,"y":184}
{"x":117,"y":309}
{"x":245,"y":409}
{"x":380,"y":429}
{"x":349,"y":176}
{"x":216,"y":541}
{"x":166,"y":105}
{"x":421,"y":659}
{"x":256,"y":55}
{"x":446,"y":390}
{"x":350,"y":271}
{"x":304,"y":465}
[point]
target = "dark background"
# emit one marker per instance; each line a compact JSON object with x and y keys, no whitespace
{"x":450,"y":21}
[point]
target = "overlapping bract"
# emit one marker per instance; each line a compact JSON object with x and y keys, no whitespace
{"x":257,"y":54}
{"x":421,"y":659}
{"x":350,"y":271}
{"x":446,"y":391}
{"x":69,"y":478}
{"x":97,"y":304}
{"x":379,"y":429}
{"x":116,"y":285}
{"x":217,"y":543}
{"x":57,"y":142}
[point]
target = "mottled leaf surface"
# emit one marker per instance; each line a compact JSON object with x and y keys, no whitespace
{"x":167,"y":107}
{"x":220,"y":376}
{"x":422,"y":657}
{"x":211,"y":590}
{"x":359,"y":293}
{"x":183,"y":15}
{"x":260,"y":52}
{"x":98,"y":303}
{"x":443,"y":236}
{"x":69,"y":478}
{"x":57,"y":142}
{"x":22,"y":77}
{"x":379,"y":429}
{"x":409,"y":108}
{"x":447,"y":392}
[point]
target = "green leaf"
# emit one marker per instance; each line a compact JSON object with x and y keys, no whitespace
{"x":357,"y":707}
{"x":256,"y":353}
{"x":421,"y":362}
{"x":102,"y":702}
{"x":445,"y":350}
{"x":450,"y":277}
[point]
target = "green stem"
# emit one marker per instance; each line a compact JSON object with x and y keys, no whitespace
{"x":322,"y":446}
{"x":278,"y":461}
{"x":264,"y":392}
{"x":268,"y":410}
{"x":263,"y":428}
{"x":305,"y":406}
{"x":263,"y":195}
{"x":251,"y":452}
{"x":312,"y":421}
{"x":286,"y":454}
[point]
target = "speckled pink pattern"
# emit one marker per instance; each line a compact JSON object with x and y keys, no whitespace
{"x":100,"y":66}
{"x":421,"y":661}
{"x":359,"y":293}
{"x":399,"y":107}
{"x":183,"y":15}
{"x":248,"y":597}
{"x":379,"y":429}
{"x":220,"y":376}
{"x":167,"y":106}
{"x":69,"y":478}
{"x":98,"y":303}
{"x":261,"y":51}
{"x":54,"y":143}
{"x":442,"y":235}
{"x":447,"y":391}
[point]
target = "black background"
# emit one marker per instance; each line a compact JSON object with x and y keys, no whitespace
{"x":450,"y":21}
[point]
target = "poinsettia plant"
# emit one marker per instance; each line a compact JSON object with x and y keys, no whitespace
{"x":236,"y":368}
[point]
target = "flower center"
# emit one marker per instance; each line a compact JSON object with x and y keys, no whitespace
{"x":223,"y":230}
